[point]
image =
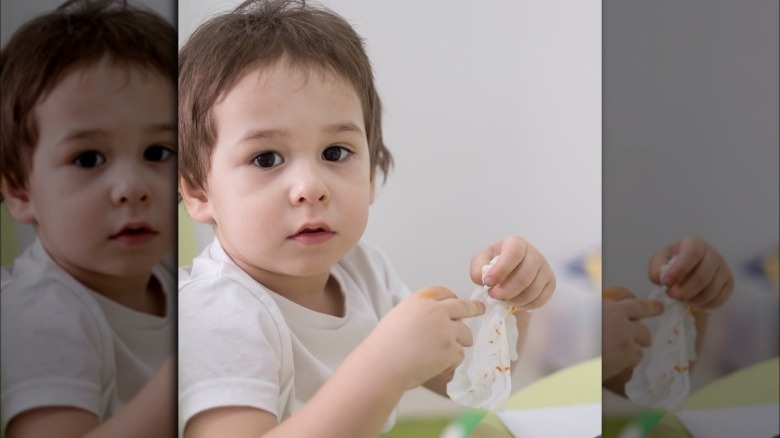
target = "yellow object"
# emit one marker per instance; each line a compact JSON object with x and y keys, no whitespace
{"x":771,"y":267}
{"x":187,"y":243}
{"x":9,"y":246}
{"x":592,"y":264}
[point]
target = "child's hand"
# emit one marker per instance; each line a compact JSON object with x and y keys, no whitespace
{"x":423,"y":336}
{"x":521,"y":276}
{"x":699,"y":276}
{"x":624,"y":334}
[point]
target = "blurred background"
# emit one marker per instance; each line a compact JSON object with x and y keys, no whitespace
{"x":691,"y":148}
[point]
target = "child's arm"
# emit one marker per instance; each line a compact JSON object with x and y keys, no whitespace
{"x":420,"y":338}
{"x":150,"y":413}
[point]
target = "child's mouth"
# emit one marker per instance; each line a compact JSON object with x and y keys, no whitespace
{"x":134,"y":235}
{"x":312,"y":236}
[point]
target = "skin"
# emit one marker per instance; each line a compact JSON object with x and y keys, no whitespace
{"x":699,"y":277}
{"x":260,"y":191}
{"x":622,"y":317}
{"x":105,"y":160}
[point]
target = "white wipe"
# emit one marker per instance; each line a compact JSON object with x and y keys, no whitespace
{"x":483,"y":379}
{"x":662,"y":378}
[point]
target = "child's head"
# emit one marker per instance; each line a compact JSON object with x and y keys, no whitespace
{"x":280,"y":135}
{"x":88,"y":134}
{"x":260,"y":34}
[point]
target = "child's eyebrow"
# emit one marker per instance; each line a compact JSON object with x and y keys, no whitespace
{"x":256,"y":134}
{"x":343,"y":127}
{"x":82,"y":134}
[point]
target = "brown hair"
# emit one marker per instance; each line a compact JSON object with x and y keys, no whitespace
{"x":44,"y":50}
{"x":257,"y":34}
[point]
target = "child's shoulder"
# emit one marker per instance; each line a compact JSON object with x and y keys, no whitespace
{"x":36,"y":281}
{"x":215,"y":284}
{"x":42,"y":301}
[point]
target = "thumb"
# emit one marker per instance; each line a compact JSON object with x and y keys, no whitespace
{"x":658,"y":261}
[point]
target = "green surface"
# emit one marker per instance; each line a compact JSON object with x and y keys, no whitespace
{"x":418,"y":428}
{"x":8,"y":245}
{"x":186,"y":237}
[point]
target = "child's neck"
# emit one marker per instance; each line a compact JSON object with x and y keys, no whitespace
{"x":320,"y":293}
{"x":142,"y":293}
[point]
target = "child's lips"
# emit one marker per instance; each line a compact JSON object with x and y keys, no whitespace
{"x":312,"y":235}
{"x":134,"y":234}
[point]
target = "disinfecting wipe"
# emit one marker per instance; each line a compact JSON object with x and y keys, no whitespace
{"x":483,"y":379}
{"x":662,"y":377}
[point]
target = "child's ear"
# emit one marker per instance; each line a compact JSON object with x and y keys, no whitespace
{"x":196,"y":201}
{"x":18,"y":201}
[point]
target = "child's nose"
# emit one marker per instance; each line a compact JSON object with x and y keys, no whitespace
{"x":130,"y":187}
{"x":308,"y":186}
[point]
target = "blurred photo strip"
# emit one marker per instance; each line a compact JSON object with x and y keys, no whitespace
{"x":690,"y":219}
{"x":88,"y":147}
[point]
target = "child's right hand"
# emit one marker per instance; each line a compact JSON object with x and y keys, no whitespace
{"x":423,"y":336}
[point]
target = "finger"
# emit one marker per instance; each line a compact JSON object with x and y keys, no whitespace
{"x":459,"y":309}
{"x":717,"y":294}
{"x":723,"y":295}
{"x":481,"y":259}
{"x":616,"y":293}
{"x":708,"y":292}
{"x":642,"y":335}
{"x":546,"y":290}
{"x":512,"y":252}
{"x":657,"y":261}
{"x":463,"y":335}
{"x":690,"y":252}
{"x":519,"y":281}
{"x":435,"y":293}
{"x":697,"y":279}
{"x":640,"y":309}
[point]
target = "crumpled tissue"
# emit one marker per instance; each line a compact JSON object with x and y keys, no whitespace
{"x":483,"y":379}
{"x":662,"y":377}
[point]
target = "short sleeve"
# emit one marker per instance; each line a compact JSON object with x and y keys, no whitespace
{"x":54,"y":348}
{"x":231,"y":350}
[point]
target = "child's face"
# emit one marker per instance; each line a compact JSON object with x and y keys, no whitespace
{"x":290,"y":184}
{"x":101,"y":188}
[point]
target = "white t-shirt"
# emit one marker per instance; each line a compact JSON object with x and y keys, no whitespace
{"x":242,"y":345}
{"x":66,"y":345}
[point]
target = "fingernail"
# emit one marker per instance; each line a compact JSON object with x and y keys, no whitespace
{"x":489,"y":281}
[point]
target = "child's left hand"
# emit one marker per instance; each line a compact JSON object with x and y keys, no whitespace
{"x":521,"y":276}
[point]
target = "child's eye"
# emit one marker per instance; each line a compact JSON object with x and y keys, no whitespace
{"x":267,"y":160}
{"x":157,"y":153}
{"x":336,"y":153}
{"x":89,"y":159}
